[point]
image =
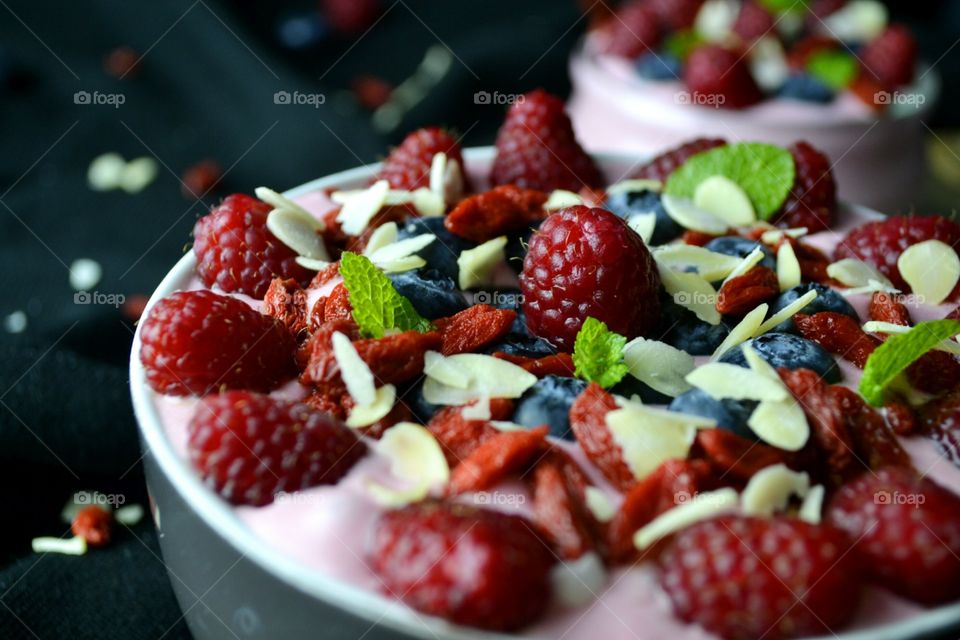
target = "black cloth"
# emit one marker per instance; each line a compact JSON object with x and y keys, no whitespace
{"x":205,"y":89}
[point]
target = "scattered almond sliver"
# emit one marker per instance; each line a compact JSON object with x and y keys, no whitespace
{"x":659,"y":365}
{"x":932,"y":269}
{"x":476,"y":266}
{"x":689,"y":216}
{"x":710,"y":265}
{"x":75,"y":546}
{"x":856,"y":273}
{"x":748,"y":262}
{"x":725,"y":199}
{"x":770,"y":489}
{"x":722,"y":380}
{"x":296,"y":232}
{"x":644,"y":224}
{"x":489,"y":378}
{"x":876,"y":326}
{"x":364,"y":415}
{"x":786,"y":313}
{"x":561,"y":199}
{"x":703,"y":506}
{"x":415,"y":457}
{"x":788,"y":267}
{"x":811,"y":510}
{"x":599,"y":504}
{"x":359,"y":208}
{"x":354,"y":371}
{"x":744,"y":330}
{"x":575,"y":583}
{"x":280,"y":201}
{"x":691,"y":292}
{"x":773,"y":236}
{"x":781,"y":423}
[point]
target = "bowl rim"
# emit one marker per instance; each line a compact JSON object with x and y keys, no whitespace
{"x":378,"y":609}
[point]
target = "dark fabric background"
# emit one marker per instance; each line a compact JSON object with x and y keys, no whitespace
{"x":205,"y":90}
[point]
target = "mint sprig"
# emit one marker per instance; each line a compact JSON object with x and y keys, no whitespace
{"x":836,"y":69}
{"x":377,"y":306}
{"x":899,"y":351}
{"x":598,"y":354}
{"x":764,"y":171}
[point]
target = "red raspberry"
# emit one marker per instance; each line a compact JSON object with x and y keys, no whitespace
{"x":820,"y":9}
{"x":676,"y":14}
{"x":936,"y":372}
{"x":197,"y":342}
{"x":753,"y":21}
{"x":633,"y":30}
{"x":880,"y":243}
{"x":667,"y":162}
{"x":248,"y":447}
{"x":741,"y":577}
{"x":812,"y":200}
{"x":420,"y":553}
{"x":350,"y":16}
{"x":236,"y":252}
{"x":408,"y":166}
{"x":537,"y":149}
{"x":586,"y":262}
{"x":908,"y":532}
{"x":721,"y":76}
{"x":941,"y":422}
{"x":891,"y":57}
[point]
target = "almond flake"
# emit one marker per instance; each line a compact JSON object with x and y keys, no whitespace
{"x":876,"y":326}
{"x":659,"y":365}
{"x":561,"y":199}
{"x":725,"y":199}
{"x":710,"y":265}
{"x":85,"y":274}
{"x":310,"y":263}
{"x":105,"y":172}
{"x":715,"y":19}
{"x":774,"y":236}
{"x":748,"y":262}
{"x":415,"y":457}
{"x":788,"y":267}
{"x":599,"y":504}
{"x":506,"y":425}
{"x":401,"y":248}
{"x":575,"y":583}
{"x":932,"y":269}
{"x":645,"y":441}
{"x":744,"y":330}
{"x":438,"y":174}
{"x":358,"y":210}
{"x":857,"y":21}
{"x":692,"y":292}
{"x":628,"y":186}
{"x":856,"y":273}
{"x":446,"y":370}
{"x":664,"y":415}
{"x":302,"y":234}
{"x":75,"y":546}
{"x":354,"y":371}
{"x":489,"y":378}
{"x":382,"y":236}
{"x":786,"y":313}
{"x":643,"y":224}
{"x":138,"y":174}
{"x":129,"y":515}
{"x":392,"y":498}
{"x":811,"y":509}
{"x":722,"y":380}
{"x":770,"y":489}
{"x":757,"y":364}
{"x":400,"y":265}
{"x":364,"y":415}
{"x":427,"y":203}
{"x":702,"y":506}
{"x":870,"y":287}
{"x":781,"y":424}
{"x":479,"y":410}
{"x":477,"y":265}
{"x":280,"y":201}
{"x":768,"y":61}
{"x":446,"y":178}
{"x":690,"y":216}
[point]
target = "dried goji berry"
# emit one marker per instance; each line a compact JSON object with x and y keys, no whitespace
{"x":325,"y":275}
{"x":328,"y":399}
{"x":901,"y":418}
{"x":875,"y":442}
{"x":837,"y":333}
{"x":696,"y":238}
{"x":559,"y":364}
{"x":337,"y":305}
{"x":94,"y":524}
{"x":734,"y":456}
{"x":885,"y":307}
{"x":742,"y":294}
{"x":935,"y":372}
{"x":286,"y":301}
{"x":560,"y":516}
{"x":200,"y":179}
{"x":499,"y":211}
{"x":397,"y":358}
{"x":588,"y":421}
{"x":458,"y":436}
{"x":474,"y":328}
{"x":495,"y":458}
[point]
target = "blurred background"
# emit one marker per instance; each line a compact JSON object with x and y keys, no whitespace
{"x":211,"y":97}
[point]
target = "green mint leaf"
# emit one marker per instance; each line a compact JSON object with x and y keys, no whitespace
{"x":680,"y":43}
{"x":377,"y":306}
{"x":898,"y":352}
{"x":785,"y":6}
{"x":836,"y":69}
{"x":764,"y":171}
{"x":598,"y":354}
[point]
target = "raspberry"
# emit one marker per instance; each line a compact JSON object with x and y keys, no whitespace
{"x":559,"y":364}
{"x":908,"y":532}
{"x":350,"y":16}
{"x":458,"y":436}
{"x":537,"y":149}
{"x":93,"y":523}
{"x":502,"y":210}
{"x":249,"y":447}
{"x":742,"y":294}
{"x":197,"y":342}
{"x":891,"y":57}
{"x":734,"y":456}
{"x":418,"y":553}
{"x":286,"y":301}
{"x":881,"y":242}
{"x":837,"y":333}
{"x":236,"y":252}
{"x":742,"y":577}
{"x":561,"y":516}
{"x":936,"y":372}
{"x":887,"y":307}
{"x":667,"y":162}
{"x":631,"y":31}
{"x":812,"y":200}
{"x":473,"y":328}
{"x":753,"y":21}
{"x":941,"y":422}
{"x":675,"y":14}
{"x":588,"y":422}
{"x":588,"y":263}
{"x":408,"y":166}
{"x":495,"y":458}
{"x":717,"y":75}
{"x":901,"y":418}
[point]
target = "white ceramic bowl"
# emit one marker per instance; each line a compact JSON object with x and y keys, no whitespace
{"x":231,"y":584}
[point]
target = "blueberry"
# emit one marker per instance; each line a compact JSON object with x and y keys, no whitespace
{"x":442,"y":253}
{"x":659,"y":66}
{"x":548,"y":402}
{"x":682,"y":329}
{"x":827,"y":299}
{"x":630,"y":386}
{"x":629,"y":203}
{"x":519,"y":341}
{"x":741,"y":248}
{"x":731,"y":415}
{"x":788,"y":351}
{"x":432,"y":295}
{"x":412,"y":396}
{"x":803,"y":86}
{"x":302,"y":30}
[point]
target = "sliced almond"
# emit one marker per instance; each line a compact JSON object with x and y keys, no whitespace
{"x":692,"y":292}
{"x":659,"y":365}
{"x":364,"y":415}
{"x":438,"y":174}
{"x":428,"y":203}
{"x":479,"y":410}
{"x":354,"y":371}
{"x":489,"y":378}
{"x":744,"y":330}
{"x":446,"y":370}
{"x":106,"y":172}
{"x":932,"y":269}
{"x":875,"y":326}
{"x":415,"y":458}
{"x":811,"y":510}
{"x":690,"y":216}
{"x":599,"y":504}
{"x":725,"y":199}
{"x":643,"y":224}
{"x":787,"y":312}
{"x":575,"y":583}
{"x":856,"y":273}
{"x":748,"y":262}
{"x":477,"y":265}
{"x":74,"y":546}
{"x":382,"y":236}
{"x":561,"y":199}
{"x":788,"y":267}
{"x":715,"y":19}
{"x":758,"y":364}
{"x":302,"y":234}
{"x":280,"y":201}
{"x":703,"y":506}
{"x":710,"y":265}
{"x":722,"y":380}
{"x":310,"y":263}
{"x":358,"y":210}
{"x":399,"y":265}
{"x":774,"y":236}
{"x":781,"y":423}
{"x":648,"y":438}
{"x":768,"y":61}
{"x":857,"y":21}
{"x":628,"y":186}
{"x":770,"y":489}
